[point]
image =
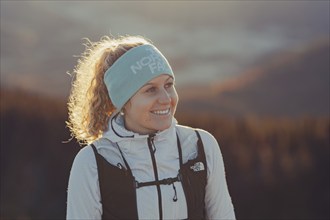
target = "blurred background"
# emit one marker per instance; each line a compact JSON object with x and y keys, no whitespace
{"x":253,"y":73}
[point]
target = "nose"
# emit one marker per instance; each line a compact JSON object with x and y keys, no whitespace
{"x":164,"y":97}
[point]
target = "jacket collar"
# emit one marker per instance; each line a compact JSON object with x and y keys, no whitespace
{"x":118,"y":133}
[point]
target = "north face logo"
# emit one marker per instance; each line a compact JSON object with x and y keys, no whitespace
{"x":198,"y":166}
{"x":154,"y":61}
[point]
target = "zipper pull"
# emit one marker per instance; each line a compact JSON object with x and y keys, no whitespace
{"x":151,"y":142}
{"x":175,"y":197}
{"x":151,"y":137}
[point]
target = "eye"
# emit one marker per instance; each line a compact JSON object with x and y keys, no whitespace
{"x":169,"y":85}
{"x":151,"y":89}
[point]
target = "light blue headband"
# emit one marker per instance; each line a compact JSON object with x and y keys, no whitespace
{"x":132,"y":70}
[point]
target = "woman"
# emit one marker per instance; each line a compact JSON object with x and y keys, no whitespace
{"x":138,"y":162}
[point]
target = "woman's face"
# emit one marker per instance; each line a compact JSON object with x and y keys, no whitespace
{"x":152,"y":108}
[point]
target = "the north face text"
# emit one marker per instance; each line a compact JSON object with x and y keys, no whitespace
{"x":154,"y":62}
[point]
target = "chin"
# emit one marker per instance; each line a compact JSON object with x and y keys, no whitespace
{"x":164,"y":126}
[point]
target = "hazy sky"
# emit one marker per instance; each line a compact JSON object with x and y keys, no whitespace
{"x":206,"y":40}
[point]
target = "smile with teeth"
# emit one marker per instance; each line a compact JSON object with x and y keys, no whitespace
{"x":161,"y":112}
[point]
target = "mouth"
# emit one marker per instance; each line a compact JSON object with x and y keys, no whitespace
{"x":161,"y":112}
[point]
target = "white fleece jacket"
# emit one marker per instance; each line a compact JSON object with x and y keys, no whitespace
{"x":83,"y":200}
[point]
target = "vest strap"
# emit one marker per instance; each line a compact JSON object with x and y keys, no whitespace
{"x":167,"y":181}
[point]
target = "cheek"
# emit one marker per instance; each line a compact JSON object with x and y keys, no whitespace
{"x":174,"y":98}
{"x":142,"y":107}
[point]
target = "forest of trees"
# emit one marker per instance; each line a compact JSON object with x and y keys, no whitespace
{"x":277,"y":168}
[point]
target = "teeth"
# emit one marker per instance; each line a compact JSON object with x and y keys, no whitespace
{"x":163,"y":112}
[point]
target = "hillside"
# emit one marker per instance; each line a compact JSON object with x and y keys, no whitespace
{"x":281,"y":165}
{"x":292,"y":84}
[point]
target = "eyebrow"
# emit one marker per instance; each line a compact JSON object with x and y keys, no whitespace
{"x":148,"y":83}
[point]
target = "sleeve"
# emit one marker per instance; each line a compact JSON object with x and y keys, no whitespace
{"x":218,"y":203}
{"x":83,"y":199}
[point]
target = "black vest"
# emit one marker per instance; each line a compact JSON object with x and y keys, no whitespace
{"x":118,"y":186}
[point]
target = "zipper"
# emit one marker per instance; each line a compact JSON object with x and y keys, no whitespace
{"x":152,"y":151}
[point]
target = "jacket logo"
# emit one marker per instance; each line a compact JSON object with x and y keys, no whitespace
{"x":198,"y":166}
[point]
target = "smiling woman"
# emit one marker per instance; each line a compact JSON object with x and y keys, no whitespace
{"x":139,"y":163}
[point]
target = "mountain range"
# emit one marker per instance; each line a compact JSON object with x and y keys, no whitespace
{"x":284,"y":85}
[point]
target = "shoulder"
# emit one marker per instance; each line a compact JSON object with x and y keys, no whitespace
{"x":85,"y":153}
{"x":207,"y":137}
{"x":189,"y":138}
{"x":85,"y":158}
{"x":186,"y":132}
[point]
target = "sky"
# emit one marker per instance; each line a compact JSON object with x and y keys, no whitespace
{"x":203,"y":40}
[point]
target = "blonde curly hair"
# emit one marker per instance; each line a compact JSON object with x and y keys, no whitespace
{"x":89,"y":104}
